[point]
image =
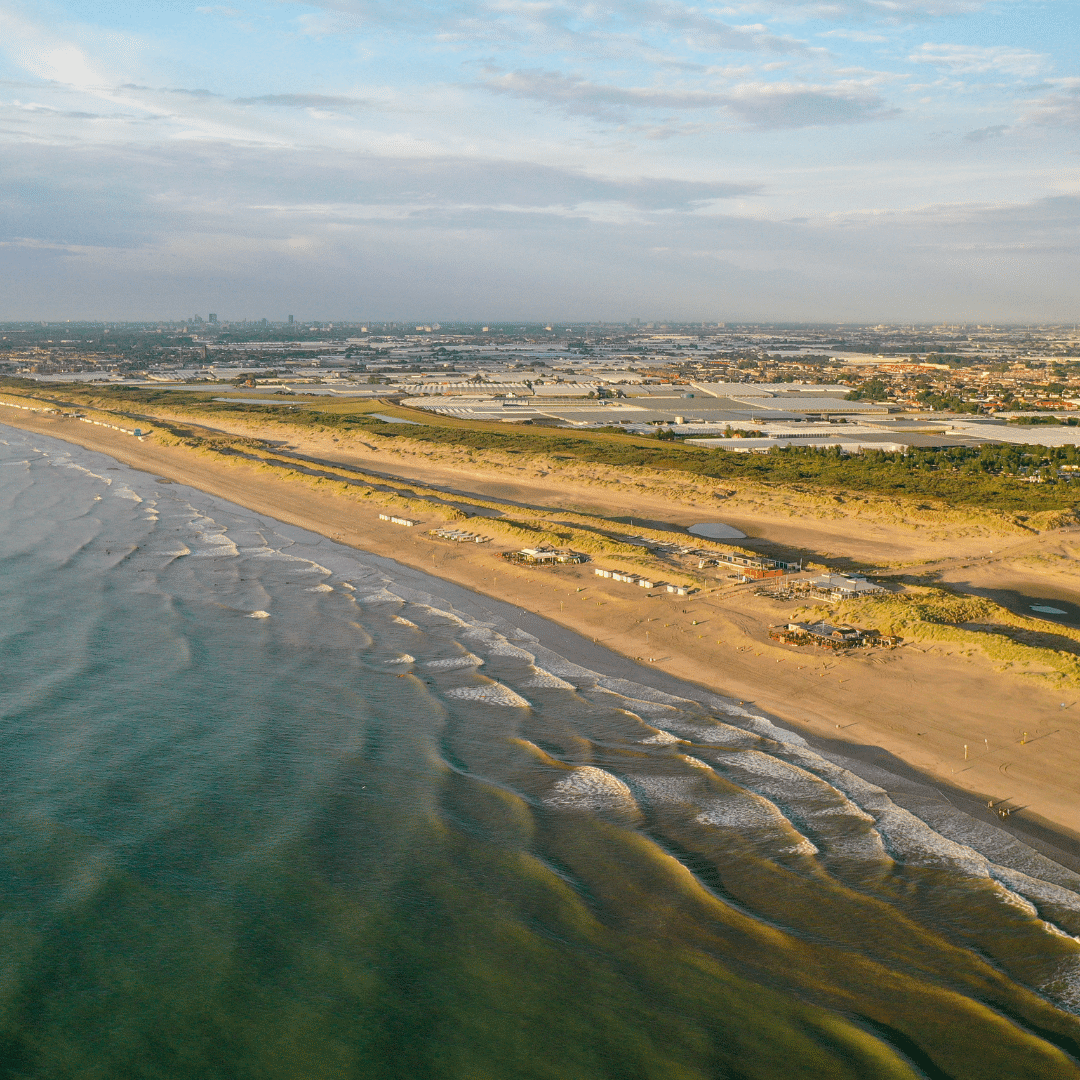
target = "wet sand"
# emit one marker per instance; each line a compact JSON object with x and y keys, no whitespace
{"x":917,"y":705}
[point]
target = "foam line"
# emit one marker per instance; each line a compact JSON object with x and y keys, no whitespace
{"x":496,"y":694}
{"x":590,"y":788}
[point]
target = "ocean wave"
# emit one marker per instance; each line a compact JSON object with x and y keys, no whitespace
{"x":455,"y":662}
{"x":496,"y":694}
{"x":718,"y":734}
{"x":69,"y":464}
{"x":504,"y":648}
{"x":758,"y":819}
{"x":383,"y":596}
{"x":1063,"y":986}
{"x":544,"y":680}
{"x":590,"y":788}
{"x":661,"y":738}
{"x":448,"y":615}
{"x":697,"y":763}
{"x":672,"y":790}
{"x":792,"y":799}
{"x":214,"y":537}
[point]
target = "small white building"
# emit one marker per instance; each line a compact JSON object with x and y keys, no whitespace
{"x":845,"y":587}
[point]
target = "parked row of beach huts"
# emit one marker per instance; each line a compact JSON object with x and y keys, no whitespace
{"x":459,"y":536}
{"x":544,"y":556}
{"x":642,"y":582}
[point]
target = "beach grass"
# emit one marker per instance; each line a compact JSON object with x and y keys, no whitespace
{"x":1017,"y":644}
{"x":942,"y":489}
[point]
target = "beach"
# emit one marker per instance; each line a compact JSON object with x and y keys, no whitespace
{"x":949,"y":716}
{"x":276,"y":803}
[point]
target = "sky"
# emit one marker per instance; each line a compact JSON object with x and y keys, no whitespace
{"x":759,"y":160}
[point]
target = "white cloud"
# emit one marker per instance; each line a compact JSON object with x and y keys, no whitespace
{"x":129,"y":235}
{"x":889,"y":11}
{"x":534,"y":127}
{"x":860,"y":36}
{"x":549,"y":24}
{"x":759,"y":105}
{"x":46,"y":55}
{"x":977,"y":60}
{"x":995,"y":131}
{"x":1060,"y":108}
{"x":304,"y":101}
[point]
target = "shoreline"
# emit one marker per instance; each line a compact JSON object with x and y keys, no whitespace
{"x":722,"y":671}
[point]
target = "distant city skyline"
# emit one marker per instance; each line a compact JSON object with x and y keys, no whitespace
{"x":760,"y":161}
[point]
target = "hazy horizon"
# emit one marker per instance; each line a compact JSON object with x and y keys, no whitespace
{"x":769,"y":161}
{"x":426,"y":323}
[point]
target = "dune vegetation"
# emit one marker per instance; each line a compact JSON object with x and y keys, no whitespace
{"x":1017,"y":644}
{"x":1019,"y":484}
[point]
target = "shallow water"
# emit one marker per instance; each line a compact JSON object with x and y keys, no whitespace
{"x":1057,"y":609}
{"x":275,"y":808}
{"x":1031,"y":599}
{"x":716,"y":530}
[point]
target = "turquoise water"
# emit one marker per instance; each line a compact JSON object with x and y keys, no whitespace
{"x":276,"y":808}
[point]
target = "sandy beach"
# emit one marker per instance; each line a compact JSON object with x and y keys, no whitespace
{"x":947,"y":714}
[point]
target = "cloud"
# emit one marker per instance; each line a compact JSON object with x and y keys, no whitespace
{"x":303,"y":101}
{"x":977,"y":60}
{"x":982,"y":134}
{"x":890,"y":11}
{"x":61,"y":194}
{"x":760,"y":105}
{"x":49,"y":110}
{"x":1061,"y":108}
{"x":577,"y":95}
{"x":1051,"y":224}
{"x":956,"y":262}
{"x":328,"y":24}
{"x":555,"y":24}
{"x":171,"y":90}
{"x":698,"y":30}
{"x":284,"y":101}
{"x":39,"y":51}
{"x":855,"y":35}
{"x":770,"y":105}
{"x":563,"y":23}
{"x":439,"y":169}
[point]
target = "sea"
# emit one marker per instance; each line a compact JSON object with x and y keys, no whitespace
{"x":272,"y":807}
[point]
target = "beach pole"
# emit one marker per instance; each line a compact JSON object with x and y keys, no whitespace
{"x":965,"y":752}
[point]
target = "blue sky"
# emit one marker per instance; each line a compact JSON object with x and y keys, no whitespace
{"x":848,"y":160}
